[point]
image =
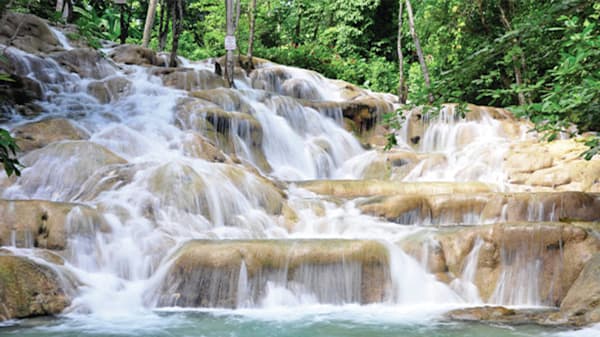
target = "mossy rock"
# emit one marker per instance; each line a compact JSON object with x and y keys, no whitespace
{"x":29,"y":289}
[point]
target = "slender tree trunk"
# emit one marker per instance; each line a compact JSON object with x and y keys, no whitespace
{"x":123,"y":24}
{"x":177,"y":17}
{"x":515,"y":59}
{"x":413,"y":32}
{"x":401,"y":83}
{"x":163,"y":27}
{"x":251,"y":34}
{"x":230,"y":35}
{"x":149,"y":23}
{"x":297,"y":30}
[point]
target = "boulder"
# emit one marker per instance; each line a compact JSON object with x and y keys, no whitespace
{"x":30,"y":33}
{"x":35,"y":135}
{"x":189,"y":79}
{"x":549,"y":256}
{"x":234,"y":273}
{"x":29,"y":289}
{"x":137,"y":55}
{"x":582,"y":303}
{"x":198,"y":146}
{"x":110,"y":89}
{"x":502,"y":315}
{"x":45,"y":224}
{"x":222,"y":127}
{"x":86,"y":62}
{"x":75,"y":160}
{"x":19,"y":95}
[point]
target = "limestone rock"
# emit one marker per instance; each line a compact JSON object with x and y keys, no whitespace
{"x":559,"y":249}
{"x":190,"y":79}
{"x":582,"y":303}
{"x":28,"y":289}
{"x":35,"y":135}
{"x":109,"y":90}
{"x":32,"y":33}
{"x":207,"y":273}
{"x":45,"y":224}
{"x":364,"y":188}
{"x":197,"y":146}
{"x":87,"y":63}
{"x":133,"y":54}
{"x":75,"y":160}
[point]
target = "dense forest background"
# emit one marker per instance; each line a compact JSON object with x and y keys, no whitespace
{"x":541,"y":58}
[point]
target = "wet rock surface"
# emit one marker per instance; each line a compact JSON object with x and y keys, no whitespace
{"x":29,"y":289}
{"x":207,"y":273}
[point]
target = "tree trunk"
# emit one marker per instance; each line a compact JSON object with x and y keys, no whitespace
{"x":149,"y":23}
{"x":413,"y":32}
{"x":251,"y":34}
{"x":163,"y":26}
{"x":297,"y":30}
{"x":124,"y":22}
{"x":401,"y":83}
{"x":515,"y":59}
{"x":230,"y":34}
{"x":177,"y":17}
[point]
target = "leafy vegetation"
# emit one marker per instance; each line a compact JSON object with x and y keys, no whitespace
{"x":538,"y":58}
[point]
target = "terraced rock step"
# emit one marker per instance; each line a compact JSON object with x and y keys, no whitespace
{"x":424,"y":207}
{"x":367,"y":188}
{"x":546,"y":257}
{"x":238,"y":273}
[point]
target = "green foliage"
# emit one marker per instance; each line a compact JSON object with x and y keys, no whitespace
{"x":8,"y":152}
{"x":593,"y":143}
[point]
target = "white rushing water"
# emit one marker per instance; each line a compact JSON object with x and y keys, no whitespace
{"x":155,"y":193}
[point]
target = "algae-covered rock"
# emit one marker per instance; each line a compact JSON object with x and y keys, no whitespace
{"x":38,"y":134}
{"x":45,"y":224}
{"x":211,"y":273}
{"x":29,"y":289}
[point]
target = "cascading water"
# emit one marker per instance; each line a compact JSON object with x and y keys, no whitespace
{"x":145,"y":194}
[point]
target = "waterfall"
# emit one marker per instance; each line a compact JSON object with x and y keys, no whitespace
{"x":174,"y":191}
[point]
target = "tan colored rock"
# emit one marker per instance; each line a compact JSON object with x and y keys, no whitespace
{"x":46,"y":224}
{"x":38,"y":134}
{"x":560,"y":249}
{"x":133,"y":54}
{"x":582,"y":303}
{"x":542,"y":206}
{"x":75,"y":160}
{"x":109,"y":90}
{"x":480,"y":313}
{"x":86,"y":62}
{"x":221,"y":126}
{"x":189,"y":79}
{"x":197,"y":146}
{"x":206,"y":273}
{"x":364,"y":188}
{"x":28,"y":289}
{"x":28,"y":32}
